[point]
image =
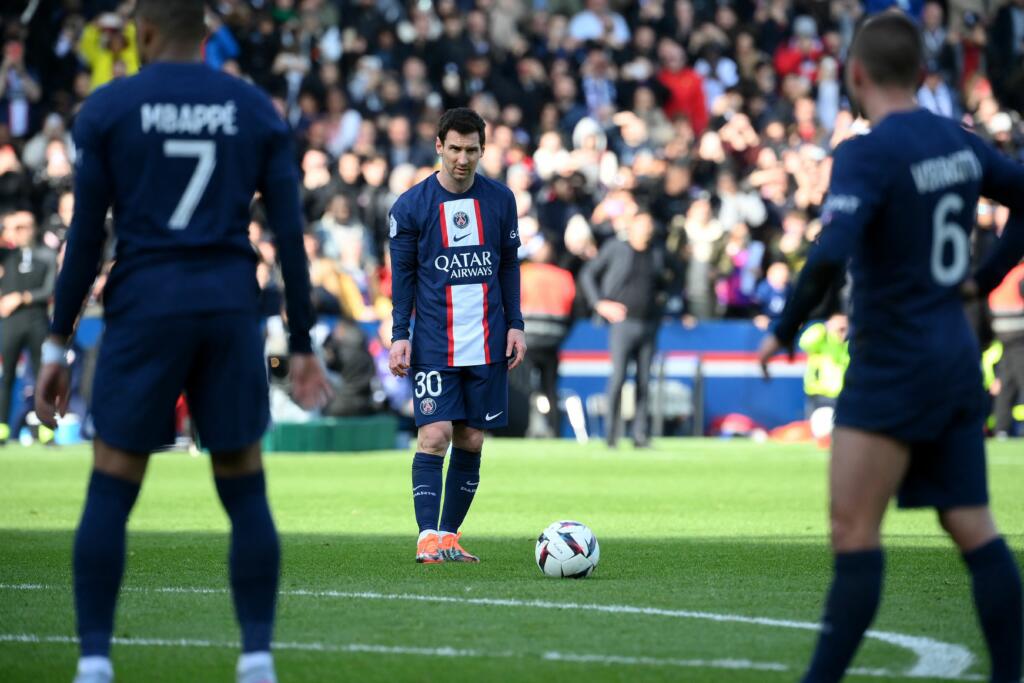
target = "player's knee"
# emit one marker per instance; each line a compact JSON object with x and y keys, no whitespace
{"x":969,"y":528}
{"x":469,"y":439}
{"x":248,"y":460}
{"x":434,"y":438}
{"x":851,"y":532}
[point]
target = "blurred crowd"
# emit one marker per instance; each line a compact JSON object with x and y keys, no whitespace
{"x":716,"y":118}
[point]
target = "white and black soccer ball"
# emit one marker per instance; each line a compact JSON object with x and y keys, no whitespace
{"x":568,"y":550}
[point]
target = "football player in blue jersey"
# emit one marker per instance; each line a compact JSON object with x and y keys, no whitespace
{"x":454,"y":239}
{"x":178,"y":151}
{"x":909,"y":421}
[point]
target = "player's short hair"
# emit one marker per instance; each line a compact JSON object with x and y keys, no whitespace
{"x":179,"y":20}
{"x":462,"y":120}
{"x":891,"y":48}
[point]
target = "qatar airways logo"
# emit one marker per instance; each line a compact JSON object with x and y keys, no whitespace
{"x":465,"y":264}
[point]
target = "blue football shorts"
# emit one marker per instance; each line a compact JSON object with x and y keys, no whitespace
{"x":476,"y":395}
{"x":946,"y":440}
{"x":216,"y":359}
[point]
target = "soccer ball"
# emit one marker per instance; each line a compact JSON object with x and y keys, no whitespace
{"x":567,"y":549}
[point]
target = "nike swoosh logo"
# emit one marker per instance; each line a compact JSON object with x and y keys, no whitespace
{"x":488,"y":417}
{"x":421,"y":486}
{"x":459,"y":238}
{"x":472,"y":483}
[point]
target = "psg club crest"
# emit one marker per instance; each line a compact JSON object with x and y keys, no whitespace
{"x":427,"y":405}
{"x":461,"y":219}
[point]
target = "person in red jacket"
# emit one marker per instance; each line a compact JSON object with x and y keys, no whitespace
{"x":685,"y":86}
{"x":801,"y":54}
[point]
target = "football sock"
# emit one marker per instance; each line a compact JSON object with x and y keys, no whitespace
{"x":254,"y":559}
{"x":426,"y":489}
{"x":459,"y":488}
{"x":99,"y":556}
{"x":849,"y":609}
{"x":997,"y":597}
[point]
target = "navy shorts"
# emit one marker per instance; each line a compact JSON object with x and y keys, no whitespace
{"x":476,"y":395}
{"x":216,"y":359}
{"x":946,"y":440}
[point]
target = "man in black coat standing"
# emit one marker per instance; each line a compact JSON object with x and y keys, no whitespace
{"x":626,"y":284}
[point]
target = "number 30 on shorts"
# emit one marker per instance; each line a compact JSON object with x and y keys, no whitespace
{"x":428,"y":384}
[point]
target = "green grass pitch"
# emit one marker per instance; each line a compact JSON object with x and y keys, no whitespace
{"x":713,"y":567}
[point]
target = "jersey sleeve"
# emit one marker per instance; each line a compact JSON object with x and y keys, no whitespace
{"x":856,"y":191}
{"x":508,"y":272}
{"x":93,"y":189}
{"x":279,"y":187}
{"x":404,"y":234}
{"x":1002,"y":181}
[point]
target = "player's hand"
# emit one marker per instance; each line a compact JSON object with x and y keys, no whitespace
{"x":53,"y":388}
{"x":515,"y":349}
{"x":612,"y":311}
{"x":400,"y":357}
{"x":770,"y":346}
{"x":310,"y":388}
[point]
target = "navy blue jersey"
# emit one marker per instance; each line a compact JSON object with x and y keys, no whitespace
{"x":453,"y":257}
{"x":179,"y":151}
{"x":900,"y":210}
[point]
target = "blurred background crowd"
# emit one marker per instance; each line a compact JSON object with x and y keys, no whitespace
{"x":714,"y":118}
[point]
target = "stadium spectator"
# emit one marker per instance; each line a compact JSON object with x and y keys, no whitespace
{"x":107,"y":46}
{"x":548,"y":293}
{"x":1007,"y":305}
{"x":19,"y":90}
{"x":26,"y":285}
{"x":828,"y":355}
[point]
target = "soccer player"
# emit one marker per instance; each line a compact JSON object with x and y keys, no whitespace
{"x":454,"y":239}
{"x":910,"y":416}
{"x":178,"y":151}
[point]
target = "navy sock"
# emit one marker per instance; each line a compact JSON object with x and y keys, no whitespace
{"x":426,"y":489}
{"x":997,"y":597}
{"x":254,"y":559}
{"x":459,"y":488}
{"x":849,"y":610}
{"x":99,"y":559}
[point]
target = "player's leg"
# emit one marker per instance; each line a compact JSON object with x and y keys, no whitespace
{"x":227,"y":394}
{"x":99,"y":553}
{"x":432,"y":441}
{"x":438,"y":401}
{"x":958,"y":471}
{"x":138,"y":377}
{"x":866,"y":471}
{"x":644,"y":357}
{"x":460,"y":487}
{"x":254,"y":558}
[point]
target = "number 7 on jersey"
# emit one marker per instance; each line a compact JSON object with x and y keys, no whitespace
{"x":205,"y":153}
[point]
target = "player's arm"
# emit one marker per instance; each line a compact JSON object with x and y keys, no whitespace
{"x":82,"y":259}
{"x":279,"y":188}
{"x":855,"y":193}
{"x":87,"y":234}
{"x":403,"y":243}
{"x":508,"y":279}
{"x":1002,"y":181}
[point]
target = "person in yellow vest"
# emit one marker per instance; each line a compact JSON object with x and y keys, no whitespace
{"x":1007,"y":305}
{"x":108,"y":47}
{"x":828,"y":355}
{"x":989,"y":367}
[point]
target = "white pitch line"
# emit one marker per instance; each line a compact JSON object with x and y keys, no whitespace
{"x":935,"y":659}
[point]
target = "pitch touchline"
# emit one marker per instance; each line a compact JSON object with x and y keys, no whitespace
{"x":934,"y":658}
{"x":366,"y":648}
